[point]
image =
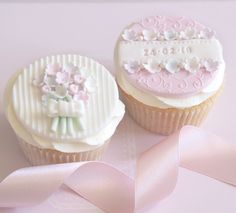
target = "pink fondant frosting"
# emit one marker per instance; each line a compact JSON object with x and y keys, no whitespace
{"x":161,"y":82}
{"x":181,"y":84}
{"x":167,"y":23}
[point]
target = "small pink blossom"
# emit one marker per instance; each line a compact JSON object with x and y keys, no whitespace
{"x":74,"y":89}
{"x":46,"y":89}
{"x":62,"y":77}
{"x":192,"y":65}
{"x":52,"y":69}
{"x":78,"y":78}
{"x":81,"y":95}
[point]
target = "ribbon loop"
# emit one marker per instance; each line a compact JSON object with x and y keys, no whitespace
{"x":113,"y":191}
{"x":65,"y":109}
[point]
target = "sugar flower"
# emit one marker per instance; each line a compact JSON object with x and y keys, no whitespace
{"x":132,"y":67}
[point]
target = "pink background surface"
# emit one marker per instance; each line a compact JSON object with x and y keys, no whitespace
{"x":33,"y":30}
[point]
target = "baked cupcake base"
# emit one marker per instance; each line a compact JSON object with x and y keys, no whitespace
{"x":37,"y":156}
{"x":166,"y":121}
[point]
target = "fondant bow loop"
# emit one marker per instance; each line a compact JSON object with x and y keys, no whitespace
{"x":65,"y":109}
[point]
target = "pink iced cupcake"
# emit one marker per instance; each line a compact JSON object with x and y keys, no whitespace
{"x":169,"y":71}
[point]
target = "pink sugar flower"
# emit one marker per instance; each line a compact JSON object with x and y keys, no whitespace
{"x":207,"y":33}
{"x":70,"y":68}
{"x":78,"y":78}
{"x":62,"y":77}
{"x":46,"y":89}
{"x":52,"y":69}
{"x":74,"y":89}
{"x":81,"y":96}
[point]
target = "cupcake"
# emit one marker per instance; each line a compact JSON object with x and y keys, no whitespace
{"x":63,"y":108}
{"x":169,"y":72}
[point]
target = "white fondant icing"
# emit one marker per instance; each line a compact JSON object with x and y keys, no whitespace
{"x":162,"y":50}
{"x":76,"y":145}
{"x":29,"y":109}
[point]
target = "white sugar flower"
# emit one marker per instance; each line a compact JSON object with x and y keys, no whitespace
{"x":192,"y":65}
{"x":170,"y":35}
{"x":130,"y":35}
{"x":188,"y":33}
{"x":81,"y":75}
{"x":207,"y":33}
{"x":152,"y":66}
{"x":39,"y":81}
{"x":50,"y":80}
{"x":210,"y":65}
{"x":52,"y":69}
{"x":85,"y":73}
{"x":160,"y":37}
{"x":46,"y":89}
{"x":69,"y":68}
{"x":172,"y":66}
{"x":149,"y":35}
{"x":90,"y":85}
{"x":60,"y":91}
{"x":132,"y":67}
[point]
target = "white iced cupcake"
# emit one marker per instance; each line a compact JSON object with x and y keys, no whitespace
{"x":63,"y":108}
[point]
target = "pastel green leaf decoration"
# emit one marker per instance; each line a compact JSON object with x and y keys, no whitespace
{"x":78,"y":123}
{"x":66,"y":125}
{"x":70,"y":126}
{"x":63,"y":125}
{"x":55,"y":123}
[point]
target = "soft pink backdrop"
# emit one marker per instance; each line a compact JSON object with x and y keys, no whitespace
{"x":32,"y":30}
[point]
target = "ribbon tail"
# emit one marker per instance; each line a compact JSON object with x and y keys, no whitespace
{"x":207,"y":154}
{"x":190,"y":147}
{"x":157,"y":173}
{"x":103,"y":185}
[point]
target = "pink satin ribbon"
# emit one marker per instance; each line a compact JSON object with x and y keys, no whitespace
{"x":113,"y":191}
